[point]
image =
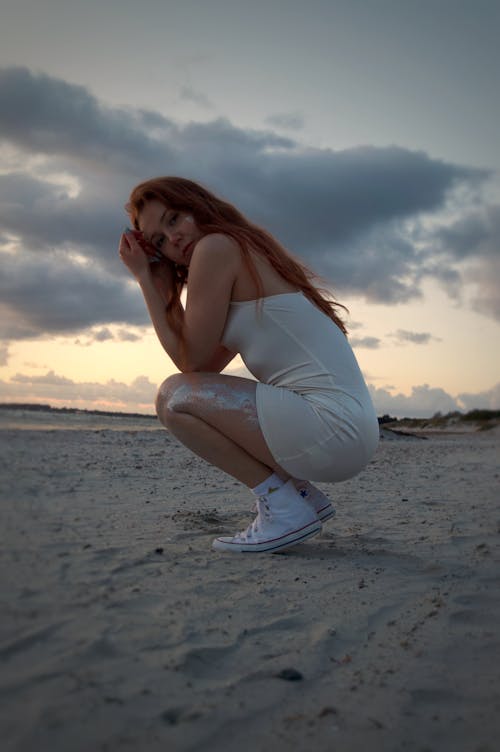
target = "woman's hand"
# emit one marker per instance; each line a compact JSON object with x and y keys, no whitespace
{"x":133,"y":256}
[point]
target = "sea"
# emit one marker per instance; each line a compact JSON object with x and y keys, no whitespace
{"x":40,"y":419}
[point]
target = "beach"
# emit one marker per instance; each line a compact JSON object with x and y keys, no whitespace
{"x":123,"y":630}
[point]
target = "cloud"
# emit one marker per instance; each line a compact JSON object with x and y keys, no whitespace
{"x":416,"y":338}
{"x":293,"y":121}
{"x":471,"y":234}
{"x":103,"y":335}
{"x":106,"y":335}
{"x":43,"y":215}
{"x":423,"y":402}
{"x":50,"y":379}
{"x":486,"y":279}
{"x":58,"y":295}
{"x":371,"y":343}
{"x":487,"y":400}
{"x":188,"y":94}
{"x":139,"y":395}
{"x":466,"y":251}
{"x":359,"y":216}
{"x":50,"y":116}
{"x":125,"y":335}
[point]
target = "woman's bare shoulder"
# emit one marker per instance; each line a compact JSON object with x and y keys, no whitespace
{"x":216,"y":253}
{"x":217,"y":242}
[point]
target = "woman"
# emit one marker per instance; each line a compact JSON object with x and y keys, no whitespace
{"x":307,"y":417}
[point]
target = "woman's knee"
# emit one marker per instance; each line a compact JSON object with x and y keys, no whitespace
{"x":172,"y":395}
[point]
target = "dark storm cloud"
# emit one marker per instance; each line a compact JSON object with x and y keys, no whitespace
{"x":50,"y":116}
{"x":57,"y":295}
{"x":44,"y":215}
{"x":475,"y":238}
{"x":347,"y":213}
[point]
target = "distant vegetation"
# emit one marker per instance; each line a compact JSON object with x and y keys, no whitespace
{"x":69,"y":410}
{"x":484,"y":419}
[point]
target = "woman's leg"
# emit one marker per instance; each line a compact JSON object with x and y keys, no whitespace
{"x":215,"y":415}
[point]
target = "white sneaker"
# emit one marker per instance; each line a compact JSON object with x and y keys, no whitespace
{"x":317,"y":499}
{"x":284,"y":519}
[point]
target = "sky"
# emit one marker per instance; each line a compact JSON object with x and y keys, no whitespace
{"x":365,"y":134}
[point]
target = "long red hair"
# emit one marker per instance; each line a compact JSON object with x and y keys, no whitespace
{"x":213,"y":215}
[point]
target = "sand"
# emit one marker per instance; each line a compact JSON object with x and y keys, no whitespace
{"x":122,"y":630}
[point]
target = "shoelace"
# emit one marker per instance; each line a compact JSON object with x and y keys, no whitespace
{"x":263,"y":510}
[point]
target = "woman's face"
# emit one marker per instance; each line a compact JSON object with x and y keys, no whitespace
{"x":172,"y":232}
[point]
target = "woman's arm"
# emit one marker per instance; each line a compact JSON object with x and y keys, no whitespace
{"x":213,"y":269}
{"x":212,"y":273}
{"x":220,"y":359}
{"x":138,"y":264}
